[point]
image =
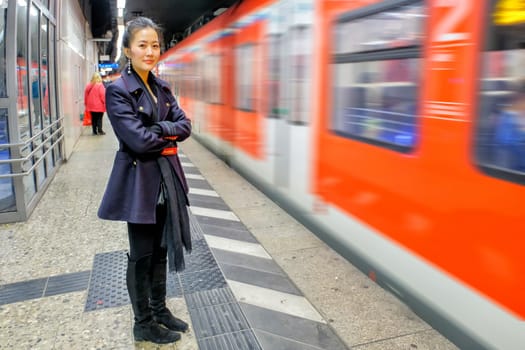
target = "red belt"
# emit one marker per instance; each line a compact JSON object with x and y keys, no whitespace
{"x":169,"y":151}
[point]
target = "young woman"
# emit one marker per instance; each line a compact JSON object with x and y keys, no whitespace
{"x":147,"y":187}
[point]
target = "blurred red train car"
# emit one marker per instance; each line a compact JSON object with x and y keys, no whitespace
{"x":394,"y":129}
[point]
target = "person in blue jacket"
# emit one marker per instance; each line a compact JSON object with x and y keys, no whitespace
{"x":147,"y":187}
{"x":510,"y":132}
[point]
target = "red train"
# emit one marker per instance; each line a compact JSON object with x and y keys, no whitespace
{"x":395,"y":128}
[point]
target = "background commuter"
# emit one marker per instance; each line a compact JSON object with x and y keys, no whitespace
{"x":510,"y":132}
{"x":95,"y":102}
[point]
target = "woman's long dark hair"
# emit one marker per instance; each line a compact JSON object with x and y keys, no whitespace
{"x":136,"y":24}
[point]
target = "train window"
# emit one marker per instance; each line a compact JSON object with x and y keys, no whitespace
{"x":500,"y":129}
{"x":274,"y":75}
{"x":377,"y":29}
{"x":299,"y":64}
{"x":212,"y":78}
{"x":376,"y":74}
{"x":244,"y":77}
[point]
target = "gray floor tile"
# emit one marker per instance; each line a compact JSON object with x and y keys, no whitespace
{"x":297,"y":329}
{"x":207,"y":202}
{"x":259,"y":278}
{"x":237,"y":231}
{"x":222,"y":223}
{"x":202,"y":184}
{"x":247,"y":261}
{"x":270,"y":341}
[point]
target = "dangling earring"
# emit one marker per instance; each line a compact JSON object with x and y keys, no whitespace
{"x":129,"y":65}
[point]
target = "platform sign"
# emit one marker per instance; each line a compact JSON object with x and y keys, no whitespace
{"x":509,"y":12}
{"x":108,"y":66}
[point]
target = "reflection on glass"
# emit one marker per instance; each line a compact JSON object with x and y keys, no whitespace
{"x":397,"y":28}
{"x":370,"y":104}
{"x":3,"y":87}
{"x":21,"y":70}
{"x":36,"y":92}
{"x":299,"y":79}
{"x":500,"y":134}
{"x":7,"y":193}
{"x":274,"y":75}
{"x":244,"y":77}
{"x":44,"y":78}
{"x":376,"y":88}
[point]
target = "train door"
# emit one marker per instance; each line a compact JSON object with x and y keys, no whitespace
{"x":293,"y":112}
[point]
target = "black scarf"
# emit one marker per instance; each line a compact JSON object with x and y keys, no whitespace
{"x":176,"y":232}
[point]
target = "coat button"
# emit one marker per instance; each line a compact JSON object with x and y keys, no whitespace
{"x":134,"y":162}
{"x":141,"y":108}
{"x":167,"y":104}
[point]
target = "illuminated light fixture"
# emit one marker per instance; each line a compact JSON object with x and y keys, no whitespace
{"x":219,"y":11}
{"x":121,"y":5}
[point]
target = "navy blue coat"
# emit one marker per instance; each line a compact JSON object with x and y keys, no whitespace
{"x":134,"y":184}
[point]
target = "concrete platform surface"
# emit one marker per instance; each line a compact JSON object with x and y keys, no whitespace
{"x":256,"y":279}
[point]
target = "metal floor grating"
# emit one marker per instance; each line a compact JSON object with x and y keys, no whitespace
{"x":107,"y":287}
{"x":243,"y":340}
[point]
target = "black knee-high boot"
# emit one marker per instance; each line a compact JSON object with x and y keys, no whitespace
{"x":145,"y":327}
{"x":161,"y":314}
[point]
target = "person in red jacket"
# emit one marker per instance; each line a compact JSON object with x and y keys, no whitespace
{"x":95,"y":102}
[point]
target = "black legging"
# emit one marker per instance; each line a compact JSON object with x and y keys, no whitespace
{"x":96,"y":121}
{"x":145,"y":239}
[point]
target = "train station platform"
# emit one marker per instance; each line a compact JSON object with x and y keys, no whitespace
{"x":256,"y":279}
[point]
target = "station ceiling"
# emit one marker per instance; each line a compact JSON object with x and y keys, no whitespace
{"x":175,"y":16}
{"x":178,"y":18}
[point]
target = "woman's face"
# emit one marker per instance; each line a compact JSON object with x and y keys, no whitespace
{"x":144,"y":50}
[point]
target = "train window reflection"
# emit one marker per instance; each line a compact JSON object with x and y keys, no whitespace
{"x":500,"y":132}
{"x":244,"y":77}
{"x":394,"y":28}
{"x":375,"y":90}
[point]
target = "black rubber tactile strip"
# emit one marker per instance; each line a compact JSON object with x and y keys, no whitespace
{"x":202,"y":280}
{"x":243,"y":340}
{"x":20,"y":291}
{"x":217,"y":319}
{"x":71,"y":282}
{"x":200,"y":258}
{"x":209,"y":298}
{"x":107,"y":287}
{"x":195,"y":229}
{"x":173,"y":286}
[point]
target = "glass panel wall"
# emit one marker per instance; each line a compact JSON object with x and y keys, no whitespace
{"x":30,"y":132}
{"x":7,"y":191}
{"x":3,"y":87}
